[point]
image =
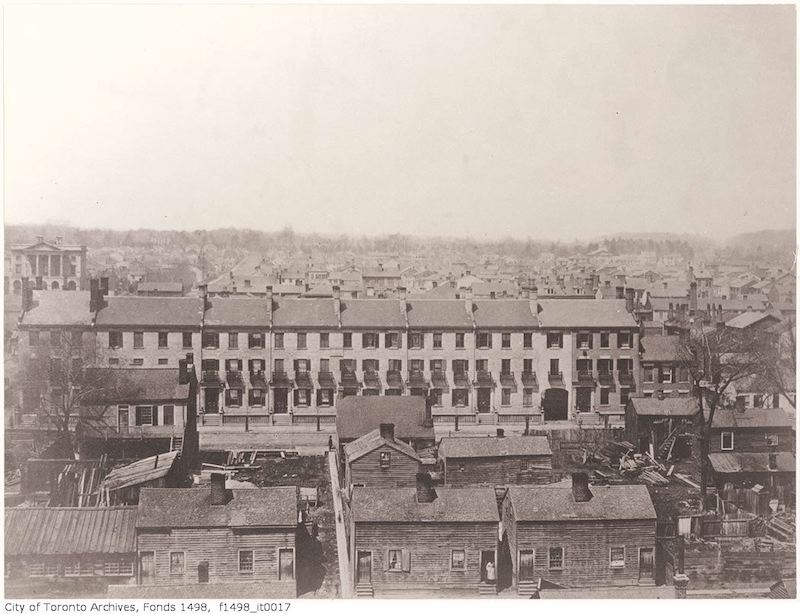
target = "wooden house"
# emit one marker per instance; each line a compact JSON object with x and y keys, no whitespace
{"x":358,"y":415}
{"x":218,"y":536}
{"x":67,"y":550}
{"x":493,"y":461}
{"x":665,"y":424}
{"x":571,"y":535}
{"x":752,"y":430}
{"x":427,"y":540}
{"x":378,"y":459}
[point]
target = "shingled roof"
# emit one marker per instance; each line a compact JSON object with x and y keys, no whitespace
{"x":492,"y":447}
{"x":237,"y":311}
{"x":555,"y":503}
{"x":372,"y":441}
{"x":569,"y":313}
{"x":438,"y":314}
{"x":668,"y":406}
{"x":752,"y":419}
{"x":34,"y":531}
{"x":150,"y":311}
{"x":191,"y":507}
{"x":304,"y":313}
{"x":504,"y":313}
{"x":59,"y":308}
{"x":358,"y":415}
{"x":401,"y":505}
{"x":140,"y":471}
{"x":373,"y":313}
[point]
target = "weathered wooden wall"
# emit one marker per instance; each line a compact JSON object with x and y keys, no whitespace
{"x":496,"y":471}
{"x":367,"y":470}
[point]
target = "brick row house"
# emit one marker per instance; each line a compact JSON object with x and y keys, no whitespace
{"x":286,"y":360}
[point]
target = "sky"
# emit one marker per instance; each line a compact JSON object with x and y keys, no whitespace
{"x":564,"y":122}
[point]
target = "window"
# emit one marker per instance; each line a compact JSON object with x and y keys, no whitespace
{"x":527,"y":365}
{"x":605,"y":337}
{"x":138,"y":362}
{"x":772,"y":441}
{"x":555,"y":559}
{"x":437,"y":341}
{"x":302,"y":397}
{"x":118,"y":568}
{"x":210,"y":364}
{"x":527,"y":397}
{"x":233,"y":397}
{"x":460,"y":397}
{"x":505,"y":397}
{"x":257,"y":397}
{"x":459,"y":341}
{"x":555,"y":340}
{"x":55,"y":338}
{"x":624,"y":395}
{"x":527,"y":341}
{"x":554,"y":370}
{"x":385,"y":460}
{"x":347,"y":340}
{"x":604,"y":396}
{"x":233,"y":341}
{"x":113,"y":362}
{"x":616,"y":557}
{"x":138,"y":340}
{"x":484,"y":340}
{"x":324,"y":340}
{"x":437,"y":366}
{"x":583,"y":365}
{"x":301,"y":341}
{"x":187,"y":340}
{"x":286,"y":564}
{"x":211,"y":340}
{"x":605,"y":365}
{"x":482,"y":365}
{"x":303,"y":365}
{"x":278,"y":365}
{"x":436,"y":397}
{"x":324,"y":397}
{"x":169,"y":415}
{"x":370,"y":341}
{"x":78,"y":568}
{"x":649,"y":374}
{"x":163,"y":340}
{"x":505,"y":341}
{"x":666,"y":375}
{"x":278,"y":341}
{"x":255,"y":341}
{"x":416,"y":341}
{"x":726,"y":440}
{"x":683,"y":374}
{"x":505,"y":366}
{"x":416,"y":365}
{"x":256,"y":365}
{"x":177,"y":562}
{"x":324,"y":365}
{"x":584,"y":340}
{"x":624,"y":339}
{"x":393,"y":340}
{"x":163,"y":361}
{"x":395,"y":559}
{"x":115,"y":339}
{"x":33,"y":338}
{"x":458,"y":560}
{"x":246,"y":561}
{"x":144,"y":415}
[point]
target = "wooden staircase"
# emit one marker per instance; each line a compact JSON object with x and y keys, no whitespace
{"x":176,"y":443}
{"x":487,"y":590}
{"x":282,"y":419}
{"x":665,"y":449}
{"x":527,"y":588}
{"x":364,"y":590}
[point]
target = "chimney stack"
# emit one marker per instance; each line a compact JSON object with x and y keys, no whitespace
{"x":426,"y":493}
{"x":428,"y":420}
{"x":580,"y":488}
{"x":27,"y":295}
{"x":219,"y":495}
{"x":773,"y":461}
{"x":387,"y":431}
{"x":692,"y":298}
{"x":466,"y":294}
{"x":630,"y":297}
{"x":95,"y":301}
{"x":268,"y":299}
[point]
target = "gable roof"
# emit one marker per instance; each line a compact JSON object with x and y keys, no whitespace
{"x":748,"y":318}
{"x":357,"y":415}
{"x":400,"y":505}
{"x":566,"y":313}
{"x":661,"y":348}
{"x":555,"y":503}
{"x":31,"y":531}
{"x":192,"y":508}
{"x":492,"y":447}
{"x":373,"y":313}
{"x":504,"y":313}
{"x":668,"y":406}
{"x":149,"y":311}
{"x":160,"y":286}
{"x":752,"y":418}
{"x":59,"y":308}
{"x":371,"y":442}
{"x":443,"y":314}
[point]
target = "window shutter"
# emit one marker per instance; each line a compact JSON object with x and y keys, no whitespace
{"x":387,"y":340}
{"x":386,"y":560}
{"x":155,"y":415}
{"x":377,"y":340}
{"x":591,"y":340}
{"x":561,"y":340}
{"x":578,"y":340}
{"x":363,"y":340}
{"x":399,"y":340}
{"x":406,"y":560}
{"x":619,"y":340}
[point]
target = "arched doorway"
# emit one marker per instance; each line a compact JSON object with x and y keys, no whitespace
{"x":555,"y":404}
{"x":70,"y":285}
{"x":54,"y":285}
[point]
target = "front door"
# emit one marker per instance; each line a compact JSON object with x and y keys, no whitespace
{"x":555,"y":404}
{"x":526,"y":565}
{"x":646,"y":564}
{"x":147,"y":567}
{"x":281,"y":400}
{"x":202,"y":572}
{"x":488,"y":570}
{"x":123,"y":420}
{"x":285,"y":564}
{"x":583,"y":399}
{"x":364,"y":568}
{"x":484,"y":400}
{"x":212,"y":401}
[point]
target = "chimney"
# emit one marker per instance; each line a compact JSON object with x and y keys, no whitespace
{"x":428,"y":419}
{"x":104,"y":286}
{"x":500,"y":433}
{"x":580,"y":488}
{"x":630,"y":297}
{"x":773,"y":461}
{"x":692,"y":298}
{"x":466,"y":294}
{"x":268,"y":298}
{"x":204,"y":295}
{"x":27,"y":295}
{"x":426,"y":493}
{"x":219,"y":495}
{"x":95,"y":301}
{"x":387,"y":431}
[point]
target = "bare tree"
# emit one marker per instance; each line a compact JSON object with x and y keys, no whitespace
{"x":717,"y":357}
{"x":779,"y":358}
{"x":70,"y":393}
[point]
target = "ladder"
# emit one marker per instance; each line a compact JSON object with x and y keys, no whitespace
{"x":176,"y":443}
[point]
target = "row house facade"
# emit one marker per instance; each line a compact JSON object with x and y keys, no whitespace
{"x":272,"y":359}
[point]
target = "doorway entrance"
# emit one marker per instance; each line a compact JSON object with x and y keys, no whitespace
{"x":484,"y":400}
{"x":281,"y":400}
{"x":555,"y":404}
{"x":147,"y":567}
{"x":646,"y":564}
{"x":364,"y":568}
{"x":202,"y":572}
{"x":488,"y":568}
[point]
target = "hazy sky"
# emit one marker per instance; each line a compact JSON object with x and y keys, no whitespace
{"x":551,"y":122}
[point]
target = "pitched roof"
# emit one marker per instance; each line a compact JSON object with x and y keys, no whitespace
{"x":555,"y":503}
{"x":748,"y":318}
{"x":373,"y":313}
{"x":139,"y":384}
{"x":502,"y":313}
{"x":356,"y":416}
{"x":490,"y":447}
{"x":191,"y":507}
{"x":237,"y":311}
{"x":668,"y":406}
{"x":140,"y":471}
{"x":566,"y":313}
{"x":160,"y":286}
{"x":433,"y":313}
{"x":400,"y":505}
{"x":752,"y":418}
{"x":372,"y":441}
{"x":661,"y":348}
{"x":59,"y":308}
{"x":67,"y":530}
{"x":149,"y":311}
{"x":304,"y":313}
{"x":750,"y":462}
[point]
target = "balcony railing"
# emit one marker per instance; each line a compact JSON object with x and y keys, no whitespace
{"x":555,"y":377}
{"x":585,"y":376}
{"x":625,"y":377}
{"x":394,"y":379}
{"x":605,"y":377}
{"x":461,"y":379}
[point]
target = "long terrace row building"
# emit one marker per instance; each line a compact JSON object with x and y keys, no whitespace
{"x":280,"y":360}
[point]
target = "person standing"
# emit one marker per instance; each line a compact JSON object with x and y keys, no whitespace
{"x":490,"y":574}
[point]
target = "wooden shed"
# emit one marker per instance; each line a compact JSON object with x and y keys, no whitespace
{"x":378,"y":459}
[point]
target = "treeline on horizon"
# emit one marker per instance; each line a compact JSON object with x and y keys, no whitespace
{"x":773,"y":246}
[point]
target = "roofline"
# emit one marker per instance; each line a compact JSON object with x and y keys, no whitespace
{"x":216,"y":526}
